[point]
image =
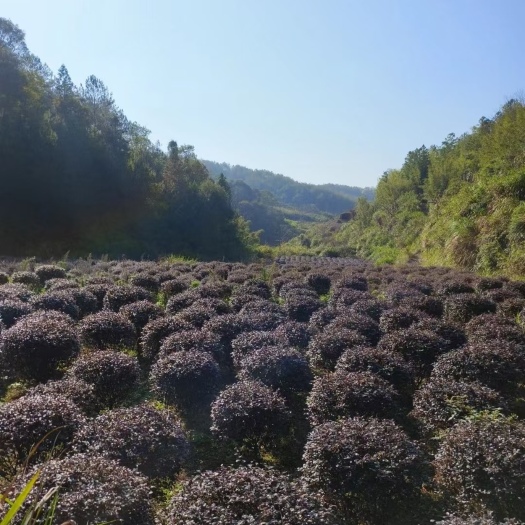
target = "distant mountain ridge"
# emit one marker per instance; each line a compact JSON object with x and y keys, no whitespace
{"x":328,"y":198}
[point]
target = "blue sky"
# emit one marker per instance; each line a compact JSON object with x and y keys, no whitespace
{"x":319,"y":90}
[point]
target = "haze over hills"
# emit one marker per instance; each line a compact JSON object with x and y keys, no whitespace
{"x":328,"y":198}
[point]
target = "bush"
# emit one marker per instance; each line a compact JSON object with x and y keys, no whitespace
{"x":4,"y":278}
{"x":93,"y":489}
{"x":250,"y":411}
{"x":118,"y":296}
{"x":154,"y":333}
{"x":362,"y":324}
{"x":114,"y":375}
{"x":249,"y":342}
{"x":490,"y":327}
{"x":148,"y":282}
{"x":319,"y":282}
{"x":368,"y":307}
{"x":247,"y":495}
{"x":28,"y":420}
{"x":11,"y":310}
{"x":174,"y":286}
{"x":283,"y":369}
{"x":398,"y":319}
{"x":30,"y":279}
{"x":498,"y":365}
{"x":293,"y":334}
{"x":225,"y":326}
{"x":61,"y":301}
{"x":481,"y":463}
{"x":141,"y":437}
{"x":16,"y":291}
{"x":327,"y":347}
{"x":452,"y":334}
{"x":106,"y":330}
{"x":462,"y":308}
{"x":441,"y":403}
{"x":485,"y":519}
{"x":389,"y":366}
{"x":99,"y":291}
{"x":79,"y":392}
{"x":348,"y":394}
{"x":369,"y":464}
{"x":262,"y":321}
{"x":187,"y":379}
{"x":50,"y":271}
{"x":193,"y":341}
{"x":38,"y":345}
{"x":419,"y":347}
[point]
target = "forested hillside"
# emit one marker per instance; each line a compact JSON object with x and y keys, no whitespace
{"x":329,"y":198}
{"x":460,"y":203}
{"x":78,"y":176}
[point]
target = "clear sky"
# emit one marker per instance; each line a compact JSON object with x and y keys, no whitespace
{"x":319,"y":90}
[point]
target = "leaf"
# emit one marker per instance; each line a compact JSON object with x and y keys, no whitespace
{"x":19,"y":501}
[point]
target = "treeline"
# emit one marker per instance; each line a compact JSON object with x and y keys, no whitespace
{"x":460,"y":204}
{"x":328,"y":198}
{"x":78,"y":176}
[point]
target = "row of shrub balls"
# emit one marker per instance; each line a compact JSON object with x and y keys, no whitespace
{"x":332,"y":393}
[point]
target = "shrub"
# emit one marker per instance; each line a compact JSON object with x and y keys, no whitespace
{"x":148,"y":282}
{"x":454,"y":288}
{"x":26,"y":421}
{"x":99,"y":291}
{"x":58,"y":283}
{"x":247,"y":495}
{"x":11,"y":310}
{"x":485,"y":519}
{"x":193,"y":341}
{"x":419,"y":347}
{"x":37,"y":345}
{"x":114,"y":375}
{"x":369,"y":464}
{"x":368,"y":307}
{"x":225,"y":326}
{"x":320,"y":319}
{"x":16,"y":291}
{"x":293,"y":334}
{"x":118,"y":296}
{"x":141,"y":313}
{"x":4,"y":278}
{"x":327,"y":347}
{"x":441,"y":403}
{"x":362,"y":324}
{"x":107,"y":329}
{"x":141,"y":437}
{"x":49,"y":271}
{"x":93,"y":489}
{"x":319,"y":282}
{"x":388,"y":365}
{"x":30,"y":279}
{"x":498,"y":365}
{"x":353,"y":282}
{"x":261,"y":321}
{"x":250,"y":411}
{"x":174,"y":286}
{"x":462,"y":308}
{"x":61,"y":301}
{"x":187,"y":379}
{"x":398,"y":319}
{"x":249,"y":342}
{"x":79,"y":392}
{"x":480,"y":464}
{"x":284,"y":369}
{"x":348,"y":394}
{"x":490,"y":327}
{"x":452,"y":334}
{"x":154,"y":333}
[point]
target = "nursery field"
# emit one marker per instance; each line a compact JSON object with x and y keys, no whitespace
{"x":305,"y":391}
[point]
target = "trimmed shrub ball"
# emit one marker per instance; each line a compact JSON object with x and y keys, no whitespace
{"x":99,"y":291}
{"x":117,"y":296}
{"x":82,"y":394}
{"x":419,"y":347}
{"x":362,"y":324}
{"x":61,"y":301}
{"x":11,"y":310}
{"x":250,"y":411}
{"x":485,"y":519}
{"x":186,"y":379}
{"x":4,"y":278}
{"x":179,"y":302}
{"x":141,"y":437}
{"x":453,"y":334}
{"x":283,"y":369}
{"x":225,"y":326}
{"x":193,"y":341}
{"x":61,"y":284}
{"x":481,"y":464}
{"x":93,"y":489}
{"x":249,"y":342}
{"x":105,"y":330}
{"x":37,"y":345}
{"x":398,"y":319}
{"x":441,"y":403}
{"x":369,"y":464}
{"x":50,"y":271}
{"x":353,"y":282}
{"x":154,"y":333}
{"x":29,"y":419}
{"x":148,"y":282}
{"x":262,"y":321}
{"x":388,"y":365}
{"x":319,"y":282}
{"x":247,"y":495}
{"x":114,"y":375}
{"x":463,"y":307}
{"x":455,"y":288}
{"x":348,"y":394}
{"x":174,"y":286}
{"x":498,"y":365}
{"x":293,"y":334}
{"x":320,"y":319}
{"x":490,"y":327}
{"x":30,"y":279}
{"x":261,"y":305}
{"x":327,"y":347}
{"x":141,"y":313}
{"x":16,"y":291}
{"x":369,"y":307}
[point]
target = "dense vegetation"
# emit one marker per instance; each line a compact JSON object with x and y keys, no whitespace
{"x":77,"y":175}
{"x":310,"y":391}
{"x":459,"y":204}
{"x":329,"y":198}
